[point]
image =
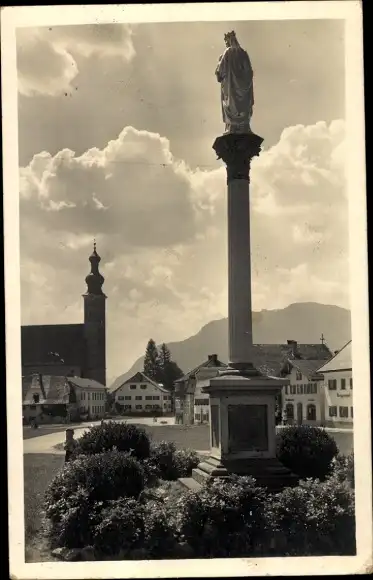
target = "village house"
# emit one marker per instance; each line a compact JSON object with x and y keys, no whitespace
{"x":191,"y":404}
{"x":338,"y":388}
{"x":59,"y":399}
{"x":303,"y":399}
{"x":141,"y":395}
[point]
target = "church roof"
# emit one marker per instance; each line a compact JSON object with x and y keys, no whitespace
{"x":46,"y":344}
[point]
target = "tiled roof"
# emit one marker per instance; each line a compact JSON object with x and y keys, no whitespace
{"x":269,"y":359}
{"x":308,"y":368}
{"x":66,"y":340}
{"x":51,"y":389}
{"x":206,"y":364}
{"x":85,"y":383}
{"x":340,"y":361}
{"x":140,"y":378}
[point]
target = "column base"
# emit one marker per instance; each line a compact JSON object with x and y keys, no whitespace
{"x":268,"y":473}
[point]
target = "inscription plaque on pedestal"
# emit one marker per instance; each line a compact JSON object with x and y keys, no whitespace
{"x":215,"y":437}
{"x":247,"y":428}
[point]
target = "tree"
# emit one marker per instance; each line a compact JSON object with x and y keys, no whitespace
{"x":164,"y":356}
{"x":170,"y":371}
{"x":152,"y":368}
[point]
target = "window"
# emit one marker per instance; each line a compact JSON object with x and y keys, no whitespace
{"x":36,"y":397}
{"x":197,"y":417}
{"x":332,"y":384}
{"x":205,"y":417}
{"x":300,"y":389}
{"x":343,"y":412}
{"x":311,"y":413}
{"x":143,"y":387}
{"x":120,"y":398}
{"x":343,"y":384}
{"x":88,"y":396}
{"x":298,"y":376}
{"x":352,"y":412}
{"x":293,"y":389}
{"x":286,"y":389}
{"x":201,"y":401}
{"x":148,"y":407}
{"x":148,"y":398}
{"x":351,"y":384}
{"x":333,"y":411}
{"x":132,"y":387}
{"x":128,"y":407}
{"x":289,"y":410}
{"x":138,"y":407}
{"x":156,"y":398}
{"x":127,"y":398}
{"x":138,"y":398}
{"x":314,"y":389}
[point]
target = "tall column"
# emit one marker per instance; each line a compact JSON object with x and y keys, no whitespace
{"x":237,"y":151}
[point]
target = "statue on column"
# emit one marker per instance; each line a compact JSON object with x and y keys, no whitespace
{"x":235,"y":75}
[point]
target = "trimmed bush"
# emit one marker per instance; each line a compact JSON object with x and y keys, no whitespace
{"x":223,"y":519}
{"x":112,"y":434}
{"x":84,"y":486}
{"x":169,"y":463}
{"x":307,"y":451}
{"x":313,"y":519}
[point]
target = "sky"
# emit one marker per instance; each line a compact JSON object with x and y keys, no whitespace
{"x":116,"y":126}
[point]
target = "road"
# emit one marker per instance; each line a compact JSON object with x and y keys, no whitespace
{"x":46,"y":443}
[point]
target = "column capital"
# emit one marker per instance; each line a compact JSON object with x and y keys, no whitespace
{"x":237,"y":151}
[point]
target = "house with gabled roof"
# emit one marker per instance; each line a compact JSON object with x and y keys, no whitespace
{"x":338,"y":388}
{"x":58,"y":399}
{"x":141,"y":395}
{"x":186,"y":386}
{"x":270,"y":359}
{"x":303,"y":399}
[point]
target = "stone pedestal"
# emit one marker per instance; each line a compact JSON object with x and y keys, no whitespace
{"x":242,"y":400}
{"x":243,"y":431}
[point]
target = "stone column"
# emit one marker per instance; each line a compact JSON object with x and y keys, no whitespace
{"x":237,"y":151}
{"x":242,"y":400}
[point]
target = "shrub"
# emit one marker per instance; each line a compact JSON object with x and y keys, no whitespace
{"x":82,"y":487}
{"x":121,"y":529}
{"x":186,"y":460}
{"x":112,"y":434}
{"x":223,"y":519}
{"x":307,"y":451}
{"x":160,"y":538}
{"x":343,"y":469}
{"x":170,"y":463}
{"x":314,"y":519}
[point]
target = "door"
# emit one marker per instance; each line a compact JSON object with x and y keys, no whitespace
{"x":299,"y":413}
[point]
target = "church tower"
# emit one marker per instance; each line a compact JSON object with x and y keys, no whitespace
{"x":95,"y":322}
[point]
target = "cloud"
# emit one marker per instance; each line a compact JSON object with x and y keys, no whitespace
{"x":160,"y":227}
{"x":47,"y":58}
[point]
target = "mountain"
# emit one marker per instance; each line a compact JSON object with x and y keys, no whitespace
{"x":304,"y":322}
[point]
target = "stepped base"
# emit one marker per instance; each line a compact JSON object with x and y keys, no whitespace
{"x":268,"y":473}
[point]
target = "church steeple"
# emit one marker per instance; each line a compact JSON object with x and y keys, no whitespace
{"x":95,"y":279}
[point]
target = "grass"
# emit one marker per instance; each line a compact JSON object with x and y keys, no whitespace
{"x":39,"y":470}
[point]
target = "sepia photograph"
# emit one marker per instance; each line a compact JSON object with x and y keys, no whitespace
{"x":188,"y":380}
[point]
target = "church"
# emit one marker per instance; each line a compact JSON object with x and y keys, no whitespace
{"x":77,"y":350}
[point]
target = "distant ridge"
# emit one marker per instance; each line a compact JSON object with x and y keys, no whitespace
{"x":304,"y":322}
